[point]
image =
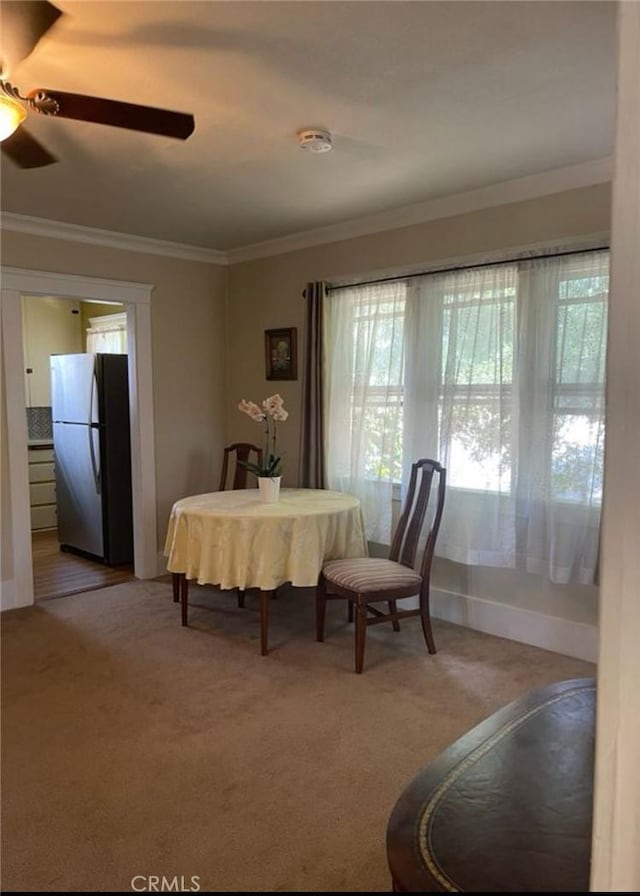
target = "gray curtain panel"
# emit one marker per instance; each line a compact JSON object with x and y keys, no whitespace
{"x":312,"y":472}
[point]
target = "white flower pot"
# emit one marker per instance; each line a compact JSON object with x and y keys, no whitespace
{"x":269,"y":488}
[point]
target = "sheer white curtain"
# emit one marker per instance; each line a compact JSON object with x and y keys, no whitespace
{"x":108,"y":334}
{"x":458,"y":404}
{"x":498,"y":373}
{"x":505,"y":383}
{"x":364,"y":329}
{"x":561,"y":378}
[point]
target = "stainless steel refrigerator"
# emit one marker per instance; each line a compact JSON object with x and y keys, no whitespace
{"x":92,"y":454}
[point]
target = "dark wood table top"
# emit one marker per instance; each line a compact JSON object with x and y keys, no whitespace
{"x":508,"y":806}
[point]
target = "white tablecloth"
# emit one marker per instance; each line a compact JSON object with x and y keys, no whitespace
{"x":235,"y":540}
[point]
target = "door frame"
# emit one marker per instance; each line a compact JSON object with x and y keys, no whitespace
{"x":17,"y":588}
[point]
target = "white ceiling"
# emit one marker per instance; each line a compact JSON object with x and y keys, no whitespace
{"x":424,"y":99}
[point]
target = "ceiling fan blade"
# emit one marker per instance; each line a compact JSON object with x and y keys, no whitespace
{"x":121,"y":115}
{"x":24,"y":22}
{"x":26,"y":151}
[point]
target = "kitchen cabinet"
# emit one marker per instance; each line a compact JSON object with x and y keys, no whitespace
{"x":42,"y":486}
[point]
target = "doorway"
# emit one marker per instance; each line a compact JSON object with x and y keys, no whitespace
{"x":61,"y":326}
{"x":59,"y":573}
{"x":17,"y":570}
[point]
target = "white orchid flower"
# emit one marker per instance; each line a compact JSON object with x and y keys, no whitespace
{"x":273,"y":404}
{"x":252,"y":409}
{"x":273,"y":412}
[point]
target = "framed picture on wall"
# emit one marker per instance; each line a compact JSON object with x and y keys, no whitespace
{"x":281,"y":354}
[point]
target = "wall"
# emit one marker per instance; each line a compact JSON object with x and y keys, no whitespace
{"x":6,"y":553}
{"x":188,"y":318}
{"x":54,"y":326}
{"x":615,"y":865}
{"x":266,"y":293}
{"x":49,"y":326}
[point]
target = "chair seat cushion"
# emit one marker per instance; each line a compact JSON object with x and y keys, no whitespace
{"x":371,"y":574}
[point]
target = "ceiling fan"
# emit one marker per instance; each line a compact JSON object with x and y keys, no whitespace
{"x":24,"y":22}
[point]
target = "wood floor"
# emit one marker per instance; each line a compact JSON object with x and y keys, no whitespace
{"x":57,"y":573}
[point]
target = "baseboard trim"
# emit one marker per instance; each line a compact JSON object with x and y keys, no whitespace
{"x":565,"y":636}
{"x":8,"y":595}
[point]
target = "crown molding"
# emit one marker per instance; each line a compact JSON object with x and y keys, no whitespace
{"x":110,"y":238}
{"x":531,"y":187}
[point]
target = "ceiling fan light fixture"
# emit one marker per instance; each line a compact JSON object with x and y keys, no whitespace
{"x":314,"y":140}
{"x":12,"y":114}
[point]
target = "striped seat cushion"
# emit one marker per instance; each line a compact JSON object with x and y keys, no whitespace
{"x":370,"y":574}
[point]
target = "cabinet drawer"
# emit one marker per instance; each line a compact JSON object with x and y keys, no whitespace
{"x":42,"y":472}
{"x":40,"y":455}
{"x":43,"y":517}
{"x":42,"y":493}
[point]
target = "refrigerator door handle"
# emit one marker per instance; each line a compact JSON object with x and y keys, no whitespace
{"x":93,"y":400}
{"x":91,"y":429}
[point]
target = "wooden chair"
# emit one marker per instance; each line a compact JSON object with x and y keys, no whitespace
{"x":243,"y":452}
{"x":369,"y":580}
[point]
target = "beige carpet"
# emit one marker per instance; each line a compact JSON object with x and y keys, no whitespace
{"x":132,"y":746}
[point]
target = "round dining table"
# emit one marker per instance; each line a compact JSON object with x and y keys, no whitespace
{"x":233,"y":539}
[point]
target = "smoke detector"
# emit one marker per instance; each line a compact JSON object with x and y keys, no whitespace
{"x":314,"y":140}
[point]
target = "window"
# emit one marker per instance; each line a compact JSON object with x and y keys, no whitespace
{"x":365,"y":388}
{"x":578,"y":424}
{"x":476,"y":380}
{"x":108,"y":334}
{"x":377,"y":337}
{"x":498,"y":371}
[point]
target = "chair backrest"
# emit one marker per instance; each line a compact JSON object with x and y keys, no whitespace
{"x":409,"y":528}
{"x":243,"y":452}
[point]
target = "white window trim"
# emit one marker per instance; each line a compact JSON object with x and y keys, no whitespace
{"x":108,"y":322}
